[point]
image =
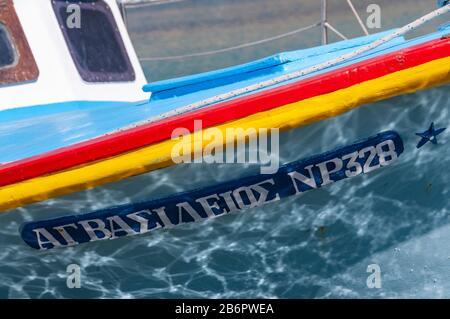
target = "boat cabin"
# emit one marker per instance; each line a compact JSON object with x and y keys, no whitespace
{"x":54,"y":51}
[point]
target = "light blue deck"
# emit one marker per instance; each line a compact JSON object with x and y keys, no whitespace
{"x":34,"y":130}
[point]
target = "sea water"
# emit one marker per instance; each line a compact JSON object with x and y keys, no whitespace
{"x":319,"y":244}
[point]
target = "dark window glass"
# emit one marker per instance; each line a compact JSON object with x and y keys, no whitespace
{"x":7,"y":54}
{"x":96,"y":46}
{"x":95,"y":43}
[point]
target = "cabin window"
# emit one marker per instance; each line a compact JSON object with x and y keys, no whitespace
{"x":94,"y":41}
{"x":7,"y":52}
{"x":17,"y":63}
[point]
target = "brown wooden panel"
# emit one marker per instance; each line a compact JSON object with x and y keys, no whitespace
{"x":25,"y":69}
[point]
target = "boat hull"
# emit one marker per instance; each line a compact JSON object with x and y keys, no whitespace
{"x":148,"y":147}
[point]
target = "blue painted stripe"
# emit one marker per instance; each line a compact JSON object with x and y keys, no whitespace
{"x":34,"y":130}
{"x":246,"y":71}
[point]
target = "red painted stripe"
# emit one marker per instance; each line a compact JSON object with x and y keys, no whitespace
{"x":117,"y":143}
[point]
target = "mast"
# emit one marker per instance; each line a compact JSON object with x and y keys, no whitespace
{"x":324,"y":18}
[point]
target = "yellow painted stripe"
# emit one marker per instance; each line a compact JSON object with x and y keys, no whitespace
{"x":158,"y":155}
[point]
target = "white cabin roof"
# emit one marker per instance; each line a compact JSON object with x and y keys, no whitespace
{"x":58,"y":78}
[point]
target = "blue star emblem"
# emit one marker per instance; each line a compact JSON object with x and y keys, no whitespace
{"x":442,"y":3}
{"x":429,"y":135}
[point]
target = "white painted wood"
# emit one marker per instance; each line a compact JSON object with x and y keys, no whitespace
{"x":59,"y":80}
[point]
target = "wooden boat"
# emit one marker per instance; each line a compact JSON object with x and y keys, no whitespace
{"x":74,"y":115}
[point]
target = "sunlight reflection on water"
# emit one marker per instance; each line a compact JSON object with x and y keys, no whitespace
{"x":301,"y":247}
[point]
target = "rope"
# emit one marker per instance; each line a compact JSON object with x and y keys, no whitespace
{"x":352,"y":7}
{"x":251,"y":88}
{"x":144,"y":3}
{"x":329,"y":26}
{"x":240,"y":46}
